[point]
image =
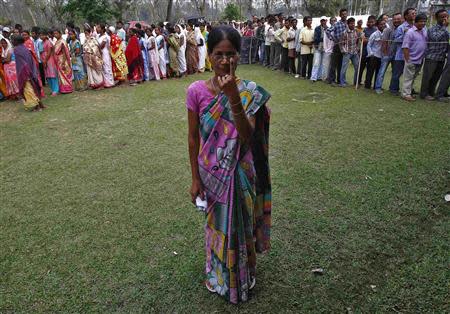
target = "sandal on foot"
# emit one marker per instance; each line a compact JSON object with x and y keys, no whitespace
{"x":210,"y":289}
{"x":253,"y":283}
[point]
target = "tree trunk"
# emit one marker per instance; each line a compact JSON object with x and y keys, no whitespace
{"x":169,"y":10}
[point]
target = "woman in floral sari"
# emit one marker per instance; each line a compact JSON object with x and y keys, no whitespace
{"x":228,"y":148}
{"x":79,"y":76}
{"x":9,"y":69}
{"x":174,"y":47}
{"x":134,"y":58}
{"x":49,"y":62}
{"x":93,"y":59}
{"x":119,"y":61}
{"x":191,"y":51}
{"x":27,"y":76}
{"x":63,"y":64}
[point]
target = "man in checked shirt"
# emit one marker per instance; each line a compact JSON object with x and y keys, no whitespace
{"x":335,"y":33}
{"x":438,"y":37}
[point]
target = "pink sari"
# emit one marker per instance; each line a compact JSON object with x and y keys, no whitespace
{"x":64,"y":67}
{"x":50,"y":71}
{"x":9,"y":69}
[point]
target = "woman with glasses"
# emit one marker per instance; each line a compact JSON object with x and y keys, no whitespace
{"x":228,"y":148}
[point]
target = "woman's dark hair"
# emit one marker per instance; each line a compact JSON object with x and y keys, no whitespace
{"x":171,"y":29}
{"x":102,"y":26}
{"x":26,"y":31}
{"x":223,"y":32}
{"x":43,"y":31}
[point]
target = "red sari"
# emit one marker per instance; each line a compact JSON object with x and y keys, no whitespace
{"x":119,"y":61}
{"x":134,"y":60}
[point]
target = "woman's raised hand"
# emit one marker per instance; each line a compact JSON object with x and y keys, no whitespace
{"x":227,"y":83}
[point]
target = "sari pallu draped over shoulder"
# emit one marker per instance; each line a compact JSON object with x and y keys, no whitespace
{"x":236,"y":179}
{"x":64,"y":66}
{"x":26,"y":71}
{"x":135,"y":61}
{"x":119,"y":62}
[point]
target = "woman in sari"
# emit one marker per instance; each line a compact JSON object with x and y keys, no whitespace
{"x":27,"y":76}
{"x":134,"y":58}
{"x":228,"y":149}
{"x":191,"y":51}
{"x":174,"y":48}
{"x":49,"y":62}
{"x":144,"y":52}
{"x":119,"y":62}
{"x":63,"y":64}
{"x":3,"y":90}
{"x":201,"y":50}
{"x":104,"y":44}
{"x":205,"y":34}
{"x":76,"y":52}
{"x":9,"y":69}
{"x":153,"y":56}
{"x":161,"y":52}
{"x":29,"y":44}
{"x":93,"y":59}
{"x":181,"y":56}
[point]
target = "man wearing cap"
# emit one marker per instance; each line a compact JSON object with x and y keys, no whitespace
{"x":319,"y":31}
{"x":6,"y":31}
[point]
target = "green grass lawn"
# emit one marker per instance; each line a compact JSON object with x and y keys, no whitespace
{"x":94,"y":203}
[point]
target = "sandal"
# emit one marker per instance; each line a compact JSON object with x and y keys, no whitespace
{"x":209,"y":287}
{"x":253,"y":284}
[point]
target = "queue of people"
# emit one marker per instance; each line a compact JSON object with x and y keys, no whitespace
{"x":324,"y":53}
{"x":99,"y":57}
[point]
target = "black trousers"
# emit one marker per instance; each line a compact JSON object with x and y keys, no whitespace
{"x":284,"y":60}
{"x":267,"y":55}
{"x":373,"y":67}
{"x":307,"y":63}
{"x":292,"y":65}
{"x":335,"y":66}
{"x":42,"y":73}
{"x":431,"y":74}
{"x":444,"y":84}
{"x":363,"y":64}
{"x":299,"y":63}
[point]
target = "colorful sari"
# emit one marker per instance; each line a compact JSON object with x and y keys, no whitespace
{"x":174,"y":47}
{"x":27,"y":77}
{"x":191,"y":53}
{"x":63,"y":66}
{"x":3,"y":90}
{"x":134,"y":60}
{"x":94,"y":63}
{"x":205,"y":35}
{"x":10,"y":74}
{"x":79,"y":76}
{"x":119,"y":62}
{"x":238,"y":192}
{"x":50,"y":70}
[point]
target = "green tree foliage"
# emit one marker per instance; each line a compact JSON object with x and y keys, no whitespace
{"x":231,"y":12}
{"x":92,"y":11}
{"x":320,"y":7}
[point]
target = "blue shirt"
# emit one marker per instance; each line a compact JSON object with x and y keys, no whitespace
{"x":367,"y":33}
{"x":374,"y":45}
{"x":38,"y":48}
{"x":398,"y":39}
{"x":336,"y":31}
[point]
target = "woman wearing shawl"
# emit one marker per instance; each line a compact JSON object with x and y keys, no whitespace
{"x":104,"y":44}
{"x":134,"y":58}
{"x":93,"y":59}
{"x":9,"y":68}
{"x":63,"y":64}
{"x":29,"y":44}
{"x":191,"y":51}
{"x":27,"y":76}
{"x":49,"y":62}
{"x":79,"y":76}
{"x":153,"y":56}
{"x":228,"y":148}
{"x":181,"y":56}
{"x":201,"y":50}
{"x":119,"y":62}
{"x":161,"y":52}
{"x":174,"y":48}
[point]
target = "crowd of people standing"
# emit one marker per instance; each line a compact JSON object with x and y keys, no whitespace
{"x":104,"y":56}
{"x":101,"y":56}
{"x":324,"y":53}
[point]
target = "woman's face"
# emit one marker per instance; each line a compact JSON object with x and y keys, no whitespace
{"x":222,"y":55}
{"x":72,"y":35}
{"x":57,"y":35}
{"x":189,"y":28}
{"x":99,"y":29}
{"x":177,"y":29}
{"x":4,"y":44}
{"x":25,"y":36}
